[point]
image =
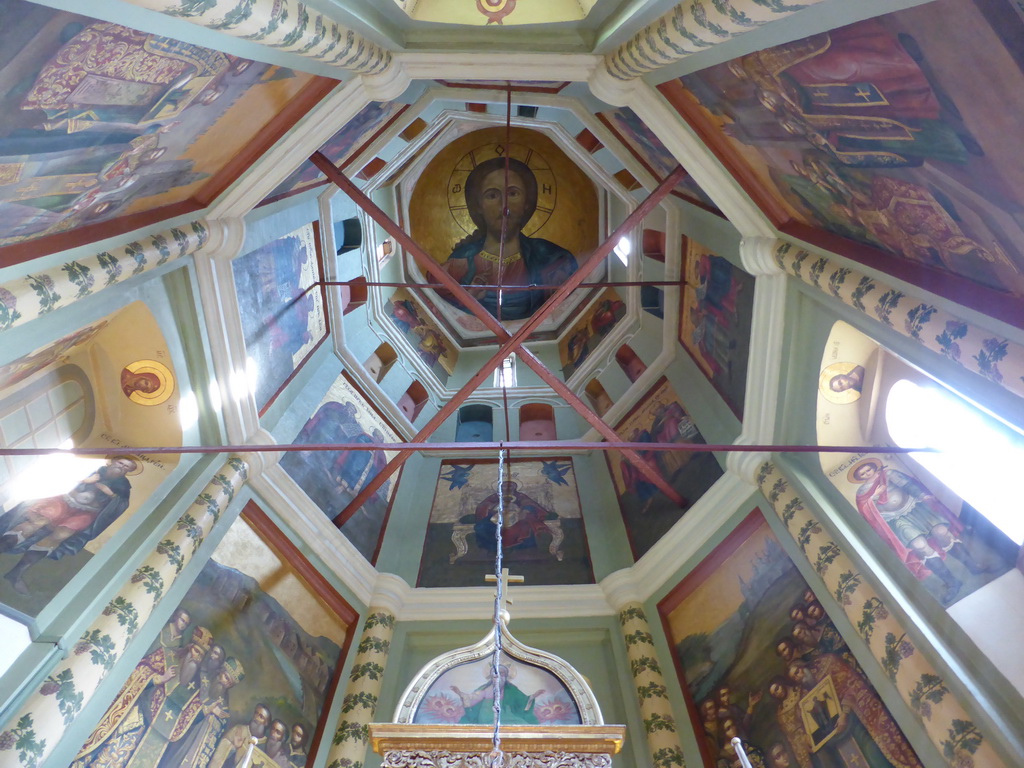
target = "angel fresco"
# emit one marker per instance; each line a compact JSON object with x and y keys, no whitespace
{"x":524,"y":260}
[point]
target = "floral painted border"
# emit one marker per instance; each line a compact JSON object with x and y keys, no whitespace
{"x":979,"y":351}
{"x":652,"y":695}
{"x":33,"y":732}
{"x":366,"y":677}
{"x":39,"y":294}
{"x":285,"y":24}
{"x":693,"y":26}
{"x":947,"y":724}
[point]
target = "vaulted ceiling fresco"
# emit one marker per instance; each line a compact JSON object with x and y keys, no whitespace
{"x":103,"y":122}
{"x":362,"y":251}
{"x":877,"y":134}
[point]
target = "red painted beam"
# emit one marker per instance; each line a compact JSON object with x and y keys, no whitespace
{"x":512,"y":288}
{"x":509,"y":344}
{"x":512,"y":445}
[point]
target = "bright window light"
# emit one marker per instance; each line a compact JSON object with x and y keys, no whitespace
{"x":505,"y":376}
{"x":979,"y":456}
{"x":188,"y":410}
{"x":52,"y":475}
{"x":252,"y":374}
{"x":216,"y":396}
{"x":623,"y":248}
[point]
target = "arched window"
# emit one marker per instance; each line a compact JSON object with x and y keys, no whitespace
{"x":537,"y":422}
{"x":348,"y":235}
{"x":505,"y":374}
{"x":978,"y":457}
{"x":630,"y":362}
{"x":55,"y":410}
{"x":945,"y":525}
{"x":475,"y":424}
{"x":599,"y":399}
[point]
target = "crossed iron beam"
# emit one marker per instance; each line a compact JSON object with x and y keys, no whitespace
{"x":507,"y":342}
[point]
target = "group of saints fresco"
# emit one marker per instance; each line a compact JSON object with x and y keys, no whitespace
{"x":174,"y":711}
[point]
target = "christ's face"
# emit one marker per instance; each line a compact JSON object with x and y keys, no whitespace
{"x":492,"y":202}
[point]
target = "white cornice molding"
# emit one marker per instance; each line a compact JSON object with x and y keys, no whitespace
{"x":745,"y":465}
{"x":622,"y":588}
{"x":306,"y":137}
{"x":571,"y":67}
{"x":764,"y":363}
{"x":698,"y":160}
{"x":223,"y":323}
{"x":609,"y":89}
{"x":262,"y":461}
{"x":389,"y":84}
{"x":687,"y":536}
{"x":528,"y":602}
{"x":390,"y":593}
{"x":757,"y":255}
{"x":317,"y":532}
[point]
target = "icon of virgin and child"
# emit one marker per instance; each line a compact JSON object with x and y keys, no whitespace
{"x":524,"y":261}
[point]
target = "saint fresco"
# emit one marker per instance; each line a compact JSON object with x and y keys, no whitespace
{"x":714,"y":326}
{"x":878,"y":133}
{"x":587,"y":332}
{"x":530,"y":695}
{"x":652,"y":154}
{"x":760,"y":659}
{"x":543,"y":537}
{"x":101,"y":120}
{"x":648,"y":514}
{"x":282,"y":320}
{"x":950,"y":548}
{"x":342,"y":147}
{"x":434,"y":349}
{"x":108,"y":385}
{"x":332,"y":479}
{"x":249,"y":654}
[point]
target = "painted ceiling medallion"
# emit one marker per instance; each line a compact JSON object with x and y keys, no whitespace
{"x":503,"y":12}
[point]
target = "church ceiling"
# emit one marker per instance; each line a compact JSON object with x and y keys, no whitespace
{"x":868,"y":139}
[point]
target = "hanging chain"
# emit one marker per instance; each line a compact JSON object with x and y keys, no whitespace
{"x":497,"y":756}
